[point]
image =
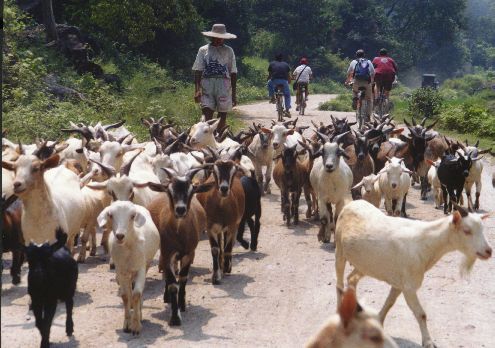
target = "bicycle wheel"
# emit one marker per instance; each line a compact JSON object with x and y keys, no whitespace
{"x":280,"y":108}
{"x":362,"y":113}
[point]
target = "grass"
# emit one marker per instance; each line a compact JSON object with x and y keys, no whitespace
{"x":343,"y":102}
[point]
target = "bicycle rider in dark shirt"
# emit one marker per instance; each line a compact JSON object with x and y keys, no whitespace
{"x":279,"y":74}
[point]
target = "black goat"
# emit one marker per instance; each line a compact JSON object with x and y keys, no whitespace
{"x":252,"y":206}
{"x":452,"y":173}
{"x":12,"y":239}
{"x":52,"y":276}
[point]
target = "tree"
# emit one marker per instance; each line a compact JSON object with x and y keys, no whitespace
{"x":49,"y":21}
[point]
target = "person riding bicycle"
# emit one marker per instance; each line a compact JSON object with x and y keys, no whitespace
{"x":302,"y":76}
{"x":385,"y":73}
{"x":361,"y":70}
{"x":279,"y":74}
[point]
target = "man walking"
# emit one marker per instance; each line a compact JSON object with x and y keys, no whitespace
{"x":279,"y":74}
{"x":363,"y":72}
{"x":215,"y":75}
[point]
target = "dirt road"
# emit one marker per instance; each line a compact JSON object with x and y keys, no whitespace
{"x":275,"y":297}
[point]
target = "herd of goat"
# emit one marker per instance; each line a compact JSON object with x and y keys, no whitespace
{"x":164,"y":193}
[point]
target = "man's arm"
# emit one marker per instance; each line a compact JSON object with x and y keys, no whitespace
{"x":233,"y":83}
{"x":197,"y":85}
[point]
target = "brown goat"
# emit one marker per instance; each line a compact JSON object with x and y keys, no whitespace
{"x":12,"y":238}
{"x":291,"y":176}
{"x":179,"y":218}
{"x":224,"y":207}
{"x":360,"y":161}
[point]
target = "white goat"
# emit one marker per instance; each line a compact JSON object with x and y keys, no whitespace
{"x":399,"y":251}
{"x":201,"y":136}
{"x":51,"y":196}
{"x":394,"y":184}
{"x":282,"y":136}
{"x":370,"y":189}
{"x":262,"y":155}
{"x":435,"y":183}
{"x":133,"y":245}
{"x":331,"y":179}
{"x":353,"y":327}
{"x":474,"y":177}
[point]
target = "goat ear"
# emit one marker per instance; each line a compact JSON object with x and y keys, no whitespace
{"x":456,"y":218}
{"x":102,"y":219}
{"x":430,"y":162}
{"x":358,"y":185}
{"x":157,"y":187}
{"x":8,"y":165}
{"x":266,"y":130}
{"x":348,"y":307}
{"x":98,"y":185}
{"x":139,"y":219}
{"x":50,"y":162}
{"x":486,"y":216}
{"x":204,"y":187}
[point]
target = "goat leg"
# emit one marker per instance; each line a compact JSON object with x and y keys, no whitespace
{"x":175,"y":319}
{"x":445,"y":201}
{"x":240,"y":232}
{"x":69,"y":323}
{"x":255,"y":230}
{"x":403,"y":207}
{"x":477,"y":201}
{"x":424,"y":187}
{"x":15,"y":270}
{"x":184,"y":271}
{"x":295,"y":204}
{"x":228,"y":246}
{"x":215,"y":254}
{"x":49,"y":312}
{"x":307,"y":197}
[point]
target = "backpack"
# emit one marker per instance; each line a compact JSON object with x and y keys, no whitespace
{"x":362,"y":70}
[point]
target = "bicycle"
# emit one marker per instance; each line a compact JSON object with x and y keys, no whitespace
{"x":382,"y":102}
{"x":302,"y":92}
{"x":361,"y":106}
{"x":279,"y":98}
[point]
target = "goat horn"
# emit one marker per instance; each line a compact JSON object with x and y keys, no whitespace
{"x":477,"y":143}
{"x":127,"y":167}
{"x":340,"y":137}
{"x":113,"y":125}
{"x":413,"y":121}
{"x":197,"y":158}
{"x":432,"y":125}
{"x":423,"y":121}
{"x":160,"y":119}
{"x":325,"y":138}
{"x":122,"y":138}
{"x":108,"y":170}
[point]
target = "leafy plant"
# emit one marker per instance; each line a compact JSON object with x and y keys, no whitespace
{"x":425,"y":102}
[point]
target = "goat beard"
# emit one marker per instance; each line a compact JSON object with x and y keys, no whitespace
{"x":466,"y":266}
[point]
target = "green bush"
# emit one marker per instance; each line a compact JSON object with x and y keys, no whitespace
{"x":425,"y":102}
{"x":342,"y":103}
{"x":469,"y":118}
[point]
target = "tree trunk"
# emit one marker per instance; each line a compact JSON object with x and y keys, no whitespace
{"x":49,"y":21}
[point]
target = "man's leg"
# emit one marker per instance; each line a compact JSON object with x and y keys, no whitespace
{"x":354,"y":95}
{"x":208,"y":113}
{"x":207,"y":98}
{"x":287,"y":95}
{"x":369,"y":98}
{"x":224,"y":101}
{"x":271,"y":91}
{"x":223,"y":120}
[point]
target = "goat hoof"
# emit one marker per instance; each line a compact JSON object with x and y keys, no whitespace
{"x":175,"y":321}
{"x":16,"y":279}
{"x":126,"y":330}
{"x":112,"y":266}
{"x":69,"y":332}
{"x":244,"y":244}
{"x":82,"y":260}
{"x":254,"y":246}
{"x":92,"y":253}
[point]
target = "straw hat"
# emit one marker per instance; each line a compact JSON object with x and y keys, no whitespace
{"x":219,"y":31}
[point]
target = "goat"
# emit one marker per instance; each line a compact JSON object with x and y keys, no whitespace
{"x":291,"y":177}
{"x":133,"y":245}
{"x":252,"y":206}
{"x":331,"y":179}
{"x":353,"y":327}
{"x":262,"y":155}
{"x":371,"y":187}
{"x":394,"y":184}
{"x":412,"y":247}
{"x":180,"y":219}
{"x":225,"y":206}
{"x":474,"y":176}
{"x":359,"y":161}
{"x":51,"y":195}
{"x":435,"y":183}
{"x":12,"y":239}
{"x":52,"y":276}
{"x":452,"y":173}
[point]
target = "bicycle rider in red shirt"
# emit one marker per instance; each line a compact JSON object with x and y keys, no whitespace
{"x":385,"y":73}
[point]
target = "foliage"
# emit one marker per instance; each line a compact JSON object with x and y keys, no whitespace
{"x":469,"y":118}
{"x":342,"y":103}
{"x":425,"y":102}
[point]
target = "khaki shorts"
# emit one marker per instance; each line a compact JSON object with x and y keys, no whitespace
{"x":216,"y":94}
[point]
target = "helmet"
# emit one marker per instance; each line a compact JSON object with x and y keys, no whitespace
{"x":303,"y":60}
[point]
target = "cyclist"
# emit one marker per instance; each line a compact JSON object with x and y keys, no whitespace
{"x":385,"y":73}
{"x":279,"y":74}
{"x":363,"y":72}
{"x":302,"y":76}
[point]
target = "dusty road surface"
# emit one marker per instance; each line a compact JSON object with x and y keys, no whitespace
{"x":275,"y":297}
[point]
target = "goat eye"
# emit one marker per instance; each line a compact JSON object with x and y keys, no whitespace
{"x":110,"y":215}
{"x":35,"y":169}
{"x":467,"y":232}
{"x":376,"y":339}
{"x":133,"y":216}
